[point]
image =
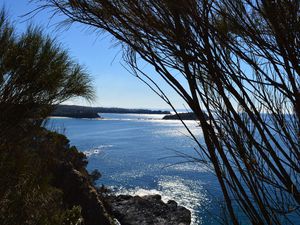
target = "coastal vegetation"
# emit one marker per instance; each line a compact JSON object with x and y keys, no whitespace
{"x":237,"y":62}
{"x":234,"y":63}
{"x":43,"y":180}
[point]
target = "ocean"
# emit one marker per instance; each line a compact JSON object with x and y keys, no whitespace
{"x":143,"y":154}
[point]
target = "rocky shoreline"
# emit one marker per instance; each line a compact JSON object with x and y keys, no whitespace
{"x":97,"y":205}
{"x":147,"y":210}
{"x":100,"y":207}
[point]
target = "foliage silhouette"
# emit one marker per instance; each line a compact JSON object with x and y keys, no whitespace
{"x":237,"y":61}
{"x":35,"y":74}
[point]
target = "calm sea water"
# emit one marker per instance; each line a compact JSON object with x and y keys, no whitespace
{"x":137,"y":154}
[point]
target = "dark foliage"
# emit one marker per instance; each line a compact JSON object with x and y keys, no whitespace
{"x":36,"y":73}
{"x":94,"y":176}
{"x":27,"y":193}
{"x":237,"y":61}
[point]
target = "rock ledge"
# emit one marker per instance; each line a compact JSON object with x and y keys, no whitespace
{"x":147,"y":210}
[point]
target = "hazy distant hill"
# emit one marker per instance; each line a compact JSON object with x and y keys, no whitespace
{"x":91,"y":112}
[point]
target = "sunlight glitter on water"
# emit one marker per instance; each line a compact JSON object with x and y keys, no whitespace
{"x":140,"y":156}
{"x":187,"y":193}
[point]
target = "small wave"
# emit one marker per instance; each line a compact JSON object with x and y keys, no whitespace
{"x":187,"y":193}
{"x":140,"y":192}
{"x":96,"y":150}
{"x":127,"y":175}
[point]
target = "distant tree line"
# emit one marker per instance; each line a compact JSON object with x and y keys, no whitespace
{"x":92,"y":112}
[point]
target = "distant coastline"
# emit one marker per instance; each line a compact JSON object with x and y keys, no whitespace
{"x":75,"y":111}
{"x":182,"y":116}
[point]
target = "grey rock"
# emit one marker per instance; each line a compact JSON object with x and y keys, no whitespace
{"x":147,"y":210}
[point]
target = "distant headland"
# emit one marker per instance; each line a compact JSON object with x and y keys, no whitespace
{"x":76,"y":111}
{"x":183,"y":116}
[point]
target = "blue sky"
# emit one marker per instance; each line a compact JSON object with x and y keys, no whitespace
{"x":114,"y":85}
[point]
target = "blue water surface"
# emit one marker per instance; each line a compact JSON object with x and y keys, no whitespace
{"x":138,"y":154}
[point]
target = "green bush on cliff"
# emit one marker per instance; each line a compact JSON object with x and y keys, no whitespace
{"x":27,"y":182}
{"x":35,"y":73}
